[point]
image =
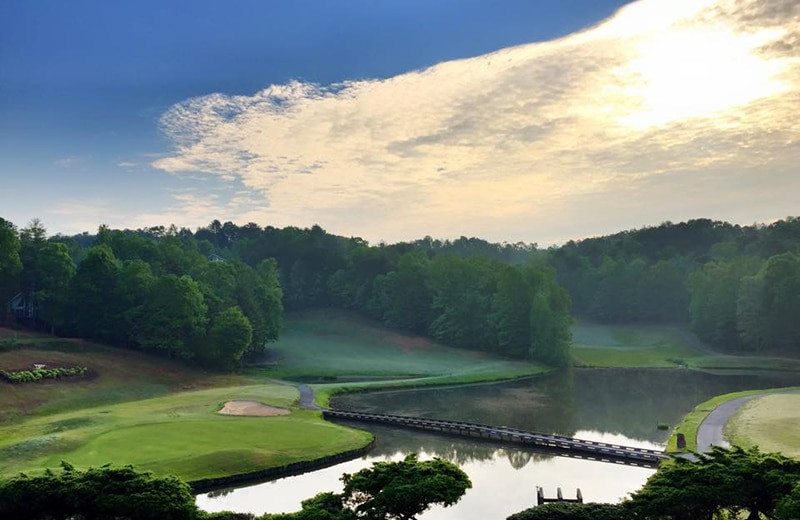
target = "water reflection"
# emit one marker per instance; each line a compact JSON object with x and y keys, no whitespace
{"x":622,"y":407}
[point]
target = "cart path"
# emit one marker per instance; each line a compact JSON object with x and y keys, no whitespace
{"x":709,"y":433}
{"x":306,"y":400}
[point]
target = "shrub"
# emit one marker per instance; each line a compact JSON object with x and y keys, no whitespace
{"x":37,"y":374}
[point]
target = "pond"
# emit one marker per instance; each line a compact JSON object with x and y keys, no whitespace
{"x":620,"y":406}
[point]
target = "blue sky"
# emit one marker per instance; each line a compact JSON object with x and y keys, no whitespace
{"x":393,"y":119}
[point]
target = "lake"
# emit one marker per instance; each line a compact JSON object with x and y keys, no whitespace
{"x":610,"y":405}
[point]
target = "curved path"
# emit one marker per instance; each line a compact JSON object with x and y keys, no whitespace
{"x":709,"y":433}
{"x":306,"y":400}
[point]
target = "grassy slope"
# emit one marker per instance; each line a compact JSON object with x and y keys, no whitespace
{"x":771,"y":422}
{"x":629,"y":346}
{"x":115,"y":375}
{"x":116,"y":416}
{"x":354,"y":353}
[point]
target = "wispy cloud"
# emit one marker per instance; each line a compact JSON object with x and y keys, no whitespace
{"x":67,"y":162}
{"x":649,"y":115}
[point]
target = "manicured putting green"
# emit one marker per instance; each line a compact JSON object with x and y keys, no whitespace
{"x":179,"y":433}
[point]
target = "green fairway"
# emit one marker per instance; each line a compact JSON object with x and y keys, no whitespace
{"x":597,"y":345}
{"x":161,"y":416}
{"x":338,"y":346}
{"x":179,"y":433}
{"x":658,"y":346}
{"x":771,"y":422}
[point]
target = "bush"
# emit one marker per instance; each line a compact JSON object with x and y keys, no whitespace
{"x":571,"y":511}
{"x":37,"y":374}
{"x":106,"y":492}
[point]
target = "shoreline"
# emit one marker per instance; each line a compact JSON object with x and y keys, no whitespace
{"x":273,"y":473}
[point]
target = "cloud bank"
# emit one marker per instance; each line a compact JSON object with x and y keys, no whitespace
{"x":667,"y":110}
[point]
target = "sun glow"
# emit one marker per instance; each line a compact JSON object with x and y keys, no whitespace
{"x":694,"y":74}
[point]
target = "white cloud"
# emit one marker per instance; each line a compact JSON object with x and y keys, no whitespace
{"x":67,"y":162}
{"x":663,"y":100}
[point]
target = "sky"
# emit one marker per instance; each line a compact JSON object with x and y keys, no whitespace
{"x":510,"y":120}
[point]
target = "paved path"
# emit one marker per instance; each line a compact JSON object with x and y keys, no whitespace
{"x":710,"y":431}
{"x":306,"y":394}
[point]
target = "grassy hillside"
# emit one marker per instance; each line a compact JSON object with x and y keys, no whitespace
{"x":629,"y":346}
{"x":335,"y":345}
{"x":115,"y":375}
{"x":161,"y":416}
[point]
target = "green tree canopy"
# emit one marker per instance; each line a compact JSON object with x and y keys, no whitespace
{"x":97,"y":493}
{"x":402,"y":490}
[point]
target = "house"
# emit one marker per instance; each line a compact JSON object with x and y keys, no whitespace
{"x":213,"y":257}
{"x":22,"y":306}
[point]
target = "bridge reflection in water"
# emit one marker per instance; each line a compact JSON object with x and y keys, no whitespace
{"x":556,"y":444}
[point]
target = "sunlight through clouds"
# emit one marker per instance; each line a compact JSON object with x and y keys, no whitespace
{"x":505,"y":145}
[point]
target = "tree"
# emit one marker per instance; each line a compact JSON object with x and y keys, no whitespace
{"x":550,"y":321}
{"x":570,"y":511}
{"x":10,"y":264}
{"x":510,"y":316}
{"x":733,"y":480}
{"x":56,"y":271}
{"x":107,"y":492}
{"x":95,"y":297}
{"x":408,"y":294}
{"x":402,"y":490}
{"x":173,"y":318}
{"x":228,"y":337}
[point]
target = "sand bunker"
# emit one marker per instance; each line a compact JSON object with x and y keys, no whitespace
{"x":252,"y":408}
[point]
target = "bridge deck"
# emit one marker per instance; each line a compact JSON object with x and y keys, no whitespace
{"x":562,"y":445}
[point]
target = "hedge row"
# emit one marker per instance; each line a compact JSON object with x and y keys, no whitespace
{"x":37,"y":374}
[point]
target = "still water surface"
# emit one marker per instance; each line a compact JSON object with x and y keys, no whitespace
{"x":622,"y":407}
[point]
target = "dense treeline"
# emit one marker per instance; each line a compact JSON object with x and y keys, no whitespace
{"x":736,"y":286}
{"x":151,"y":291}
{"x":161,"y":289}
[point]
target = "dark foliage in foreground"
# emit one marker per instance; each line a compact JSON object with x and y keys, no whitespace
{"x":118,"y":493}
{"x":568,"y":511}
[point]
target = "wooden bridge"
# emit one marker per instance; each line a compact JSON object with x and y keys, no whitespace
{"x":560,"y":445}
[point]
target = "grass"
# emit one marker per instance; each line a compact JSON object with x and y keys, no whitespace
{"x":161,"y":416}
{"x":179,"y":433}
{"x":328,"y":346}
{"x":115,"y":375}
{"x":771,"y":422}
{"x":631,"y":346}
{"x":688,"y":427}
{"x":658,"y":346}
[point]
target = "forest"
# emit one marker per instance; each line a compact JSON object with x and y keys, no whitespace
{"x":738,"y":287}
{"x":216,"y":296}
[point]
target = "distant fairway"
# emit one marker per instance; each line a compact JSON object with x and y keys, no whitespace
{"x":597,"y":345}
{"x":341,"y":346}
{"x":658,"y":346}
{"x":771,"y":422}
